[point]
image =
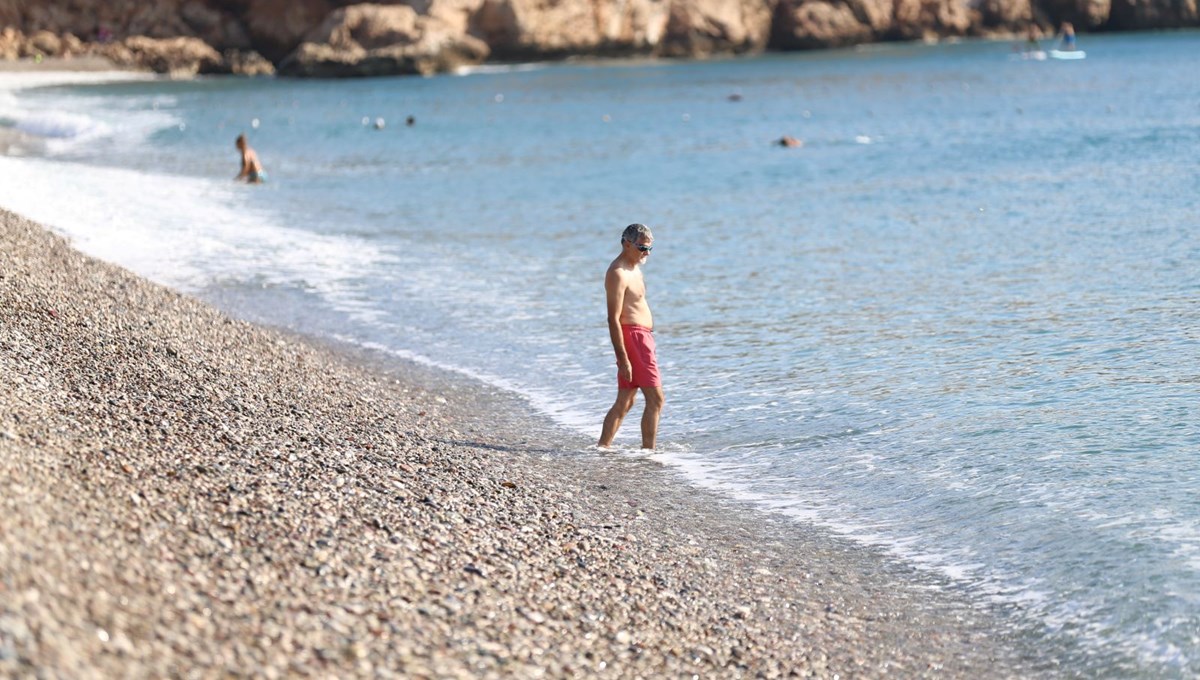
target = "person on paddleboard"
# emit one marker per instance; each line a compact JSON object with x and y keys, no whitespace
{"x":1067,"y":42}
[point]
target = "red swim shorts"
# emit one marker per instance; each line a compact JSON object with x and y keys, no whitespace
{"x":639,"y":346}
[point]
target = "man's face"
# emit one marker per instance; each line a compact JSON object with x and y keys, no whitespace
{"x":642,"y":247}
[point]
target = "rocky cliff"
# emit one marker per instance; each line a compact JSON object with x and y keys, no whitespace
{"x":343,"y":38}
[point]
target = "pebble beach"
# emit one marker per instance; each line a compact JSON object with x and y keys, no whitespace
{"x":188,"y":495}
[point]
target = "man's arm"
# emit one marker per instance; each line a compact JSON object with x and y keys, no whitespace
{"x":614,"y":288}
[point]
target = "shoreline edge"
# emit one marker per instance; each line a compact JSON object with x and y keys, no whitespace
{"x":188,"y":493}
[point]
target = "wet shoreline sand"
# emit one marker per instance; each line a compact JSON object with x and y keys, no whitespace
{"x":189,"y":494}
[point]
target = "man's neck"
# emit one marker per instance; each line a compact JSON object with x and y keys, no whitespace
{"x":630,"y":260}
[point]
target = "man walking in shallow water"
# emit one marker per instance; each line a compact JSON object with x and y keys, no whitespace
{"x":630,"y":326}
{"x":252,"y":170}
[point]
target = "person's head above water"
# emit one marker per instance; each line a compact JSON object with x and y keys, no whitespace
{"x":241,"y":142}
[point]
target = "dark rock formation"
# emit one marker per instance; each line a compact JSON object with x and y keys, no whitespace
{"x":373,"y":40}
{"x":801,"y":25}
{"x":1146,"y":15}
{"x":342,"y":38}
{"x":705,"y":27}
{"x":176,"y":56}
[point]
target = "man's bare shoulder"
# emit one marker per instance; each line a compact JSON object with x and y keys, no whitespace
{"x":622,"y":269}
{"x":621,"y":275}
{"x":615,"y":278}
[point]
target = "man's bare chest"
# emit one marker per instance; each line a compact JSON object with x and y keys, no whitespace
{"x":636,"y":292}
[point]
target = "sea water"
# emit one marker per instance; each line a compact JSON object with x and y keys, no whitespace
{"x":959,"y":324}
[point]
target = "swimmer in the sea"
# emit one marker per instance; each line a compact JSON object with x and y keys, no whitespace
{"x":252,"y":170}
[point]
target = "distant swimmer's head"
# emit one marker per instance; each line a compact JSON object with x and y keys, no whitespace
{"x":241,"y":142}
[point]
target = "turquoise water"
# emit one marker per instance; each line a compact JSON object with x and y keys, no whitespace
{"x":959,"y":324}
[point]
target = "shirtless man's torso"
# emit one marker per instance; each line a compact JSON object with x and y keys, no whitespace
{"x":251,"y":170}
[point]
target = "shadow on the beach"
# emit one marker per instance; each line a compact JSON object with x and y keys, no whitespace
{"x":505,"y":448}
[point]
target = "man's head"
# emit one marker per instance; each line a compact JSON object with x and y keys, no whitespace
{"x":637,"y":241}
{"x":241,"y":141}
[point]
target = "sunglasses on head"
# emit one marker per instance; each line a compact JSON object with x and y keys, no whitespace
{"x":644,"y":249}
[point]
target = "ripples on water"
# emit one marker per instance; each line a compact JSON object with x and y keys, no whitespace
{"x":960,"y":323}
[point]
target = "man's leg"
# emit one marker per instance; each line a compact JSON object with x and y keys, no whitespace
{"x":612,"y":421}
{"x":654,"y":404}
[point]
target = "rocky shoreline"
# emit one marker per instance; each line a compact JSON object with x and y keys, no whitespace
{"x":187,"y":494}
{"x":341,"y":38}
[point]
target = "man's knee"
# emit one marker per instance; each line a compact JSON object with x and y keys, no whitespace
{"x":654,"y":398}
{"x":625,"y":401}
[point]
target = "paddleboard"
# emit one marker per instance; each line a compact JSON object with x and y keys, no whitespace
{"x":1068,"y":54}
